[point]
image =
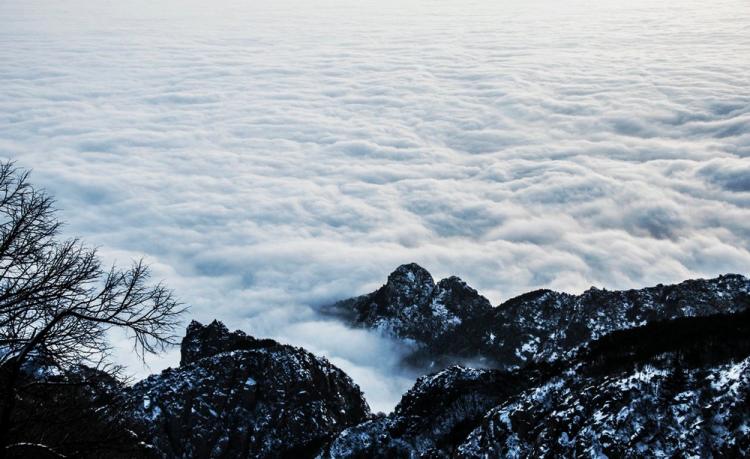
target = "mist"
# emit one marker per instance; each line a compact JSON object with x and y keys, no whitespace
{"x":267,"y":160}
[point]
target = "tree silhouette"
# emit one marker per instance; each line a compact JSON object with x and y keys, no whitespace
{"x":57,"y":302}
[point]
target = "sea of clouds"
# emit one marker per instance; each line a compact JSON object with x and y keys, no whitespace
{"x":268,"y":158}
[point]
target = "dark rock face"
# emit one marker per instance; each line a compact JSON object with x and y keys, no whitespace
{"x":71,"y":412}
{"x":686,"y":392}
{"x":412,"y":307}
{"x":433,"y":417}
{"x":672,"y":389}
{"x":235,"y":396}
{"x":204,"y":341}
{"x":656,"y":372}
{"x":654,"y":413}
{"x":547,"y":325}
{"x":450,"y":323}
{"x":660,"y":371}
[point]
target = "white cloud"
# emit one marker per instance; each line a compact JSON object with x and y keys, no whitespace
{"x":269,"y":159}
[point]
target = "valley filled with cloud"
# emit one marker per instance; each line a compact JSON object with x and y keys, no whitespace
{"x":271,"y":159}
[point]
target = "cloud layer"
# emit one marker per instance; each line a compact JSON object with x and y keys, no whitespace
{"x":270,"y":159}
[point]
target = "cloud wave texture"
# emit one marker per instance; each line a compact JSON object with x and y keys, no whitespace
{"x":270,"y":159}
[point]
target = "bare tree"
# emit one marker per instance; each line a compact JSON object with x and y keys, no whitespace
{"x":57,"y":302}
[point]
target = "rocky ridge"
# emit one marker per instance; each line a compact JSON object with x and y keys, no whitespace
{"x":449,"y":322}
{"x":658,"y":372}
{"x":235,"y":396}
{"x":685,"y":393}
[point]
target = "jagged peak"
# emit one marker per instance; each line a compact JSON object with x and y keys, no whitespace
{"x":206,"y":340}
{"x":194,"y":326}
{"x":229,"y":384}
{"x":534,"y":295}
{"x":452,"y":280}
{"x":410,"y":274}
{"x":718,"y":280}
{"x":447,"y":375}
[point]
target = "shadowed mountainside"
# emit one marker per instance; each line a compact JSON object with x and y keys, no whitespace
{"x":664,"y":371}
{"x":449,"y":322}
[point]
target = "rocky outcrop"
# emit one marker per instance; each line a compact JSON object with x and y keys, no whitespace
{"x":450,"y":323}
{"x":207,"y":340}
{"x":235,"y":396}
{"x":655,"y":372}
{"x":684,"y":392}
{"x":433,"y":417}
{"x":437,"y":318}
{"x":547,"y":325}
{"x":679,"y":388}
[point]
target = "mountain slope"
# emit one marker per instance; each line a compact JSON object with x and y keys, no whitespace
{"x":679,"y":387}
{"x":235,"y":396}
{"x":449,"y":322}
{"x":656,"y":372}
{"x":686,"y":392}
{"x":412,"y":306}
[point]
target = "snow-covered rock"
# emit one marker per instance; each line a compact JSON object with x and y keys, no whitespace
{"x":679,"y":388}
{"x":675,"y":388}
{"x":437,"y":317}
{"x":655,"y":372}
{"x":453,"y":324}
{"x":235,"y":396}
{"x":431,"y":417}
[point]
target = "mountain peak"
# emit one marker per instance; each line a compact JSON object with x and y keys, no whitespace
{"x":213,"y":327}
{"x":450,"y":321}
{"x":238,"y":396}
{"x":207,"y":340}
{"x":411,"y":275}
